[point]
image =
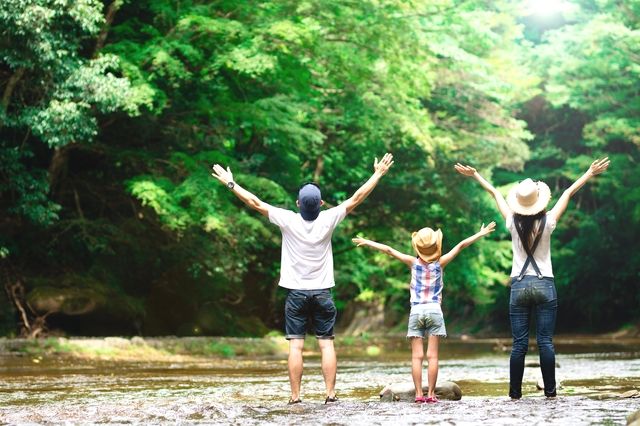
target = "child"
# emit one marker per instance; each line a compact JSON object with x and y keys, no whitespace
{"x":426,"y":296}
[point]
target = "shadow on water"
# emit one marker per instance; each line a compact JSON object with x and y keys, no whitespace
{"x":246,"y":390}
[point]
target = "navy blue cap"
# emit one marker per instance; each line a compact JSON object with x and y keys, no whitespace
{"x":309,"y":198}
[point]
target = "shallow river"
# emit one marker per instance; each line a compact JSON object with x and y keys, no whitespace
{"x":251,"y":391}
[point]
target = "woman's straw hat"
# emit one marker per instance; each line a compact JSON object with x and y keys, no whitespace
{"x":428,"y":244}
{"x":528,"y":197}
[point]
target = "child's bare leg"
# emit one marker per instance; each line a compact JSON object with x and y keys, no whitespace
{"x":432,"y":359}
{"x":417,"y":355}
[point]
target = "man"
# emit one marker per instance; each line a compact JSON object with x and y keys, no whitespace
{"x":306,"y":268}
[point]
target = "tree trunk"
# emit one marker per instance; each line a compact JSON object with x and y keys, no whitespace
{"x":11,"y":85}
{"x":319,"y":168}
{"x":108,"y":20}
{"x":58,"y":166}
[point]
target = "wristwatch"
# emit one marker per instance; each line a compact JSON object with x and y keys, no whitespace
{"x":231,"y":184}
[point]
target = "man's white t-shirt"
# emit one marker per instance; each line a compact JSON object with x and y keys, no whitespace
{"x":307,"y":257}
{"x":542,"y":255}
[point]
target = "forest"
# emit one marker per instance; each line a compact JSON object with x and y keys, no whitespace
{"x":113,"y":112}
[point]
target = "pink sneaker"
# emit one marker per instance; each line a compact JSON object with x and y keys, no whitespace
{"x":431,"y":400}
{"x":421,"y":400}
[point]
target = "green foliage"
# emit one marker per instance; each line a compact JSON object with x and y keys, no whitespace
{"x":109,"y":128}
{"x":591,"y":109}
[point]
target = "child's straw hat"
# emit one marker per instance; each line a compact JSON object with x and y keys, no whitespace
{"x":428,"y":244}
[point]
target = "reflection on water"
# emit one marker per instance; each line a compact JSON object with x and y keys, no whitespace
{"x":255,"y":391}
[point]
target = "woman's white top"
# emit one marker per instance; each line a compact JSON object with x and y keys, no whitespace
{"x":542,"y":255}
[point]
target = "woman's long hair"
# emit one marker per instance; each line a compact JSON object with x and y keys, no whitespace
{"x":528,"y":226}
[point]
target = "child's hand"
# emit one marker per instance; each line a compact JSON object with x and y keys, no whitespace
{"x":599,"y":166}
{"x":360,"y":241}
{"x":464,"y":170}
{"x":486,"y":230}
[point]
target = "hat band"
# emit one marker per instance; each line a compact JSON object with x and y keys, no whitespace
{"x":428,"y":250}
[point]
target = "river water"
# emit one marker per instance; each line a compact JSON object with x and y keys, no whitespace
{"x":250,"y":390}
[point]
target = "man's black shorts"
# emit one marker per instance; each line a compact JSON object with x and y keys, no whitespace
{"x":309,"y":309}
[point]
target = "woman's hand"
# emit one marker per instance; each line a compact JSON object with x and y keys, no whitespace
{"x":465,"y":170}
{"x":599,"y":166}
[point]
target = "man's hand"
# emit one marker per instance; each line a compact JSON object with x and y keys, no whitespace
{"x":486,"y":230}
{"x":599,"y":166}
{"x":224,"y":176}
{"x":465,"y":170}
{"x":383,"y":166}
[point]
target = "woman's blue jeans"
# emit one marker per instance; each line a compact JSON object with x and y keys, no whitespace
{"x":532,"y":296}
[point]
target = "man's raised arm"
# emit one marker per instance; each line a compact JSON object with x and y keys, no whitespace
{"x":226,"y":177}
{"x":380,"y":169}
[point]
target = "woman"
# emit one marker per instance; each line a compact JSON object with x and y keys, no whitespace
{"x":532,"y":284}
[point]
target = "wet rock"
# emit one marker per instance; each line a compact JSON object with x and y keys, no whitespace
{"x":540,"y":384}
{"x":604,"y":395}
{"x":69,"y":301}
{"x":117,"y":342}
{"x":500,"y":346}
{"x":633,"y":419}
{"x":630,"y":394}
{"x":406,"y":391}
{"x":138,"y":341}
{"x":536,"y":364}
{"x":363,"y":317}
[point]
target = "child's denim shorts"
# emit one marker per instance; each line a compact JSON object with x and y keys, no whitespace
{"x":426,"y":319}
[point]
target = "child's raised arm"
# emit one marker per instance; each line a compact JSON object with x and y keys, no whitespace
{"x":404,"y":258}
{"x":484,"y":230}
{"x":497,"y":196}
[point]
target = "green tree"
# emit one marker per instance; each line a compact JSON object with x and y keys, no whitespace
{"x":590,"y":69}
{"x":57,"y":88}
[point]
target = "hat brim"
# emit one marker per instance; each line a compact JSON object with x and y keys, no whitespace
{"x":433,"y":255}
{"x":544,"y":196}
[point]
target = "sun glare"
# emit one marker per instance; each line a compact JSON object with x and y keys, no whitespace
{"x":545,"y":7}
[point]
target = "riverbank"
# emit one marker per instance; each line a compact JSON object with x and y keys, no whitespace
{"x":190,"y":380}
{"x":184,"y":348}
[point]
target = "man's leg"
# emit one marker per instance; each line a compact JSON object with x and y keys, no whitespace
{"x":295,"y":324}
{"x":323,"y":313}
{"x":295,"y":367}
{"x":329,"y":365}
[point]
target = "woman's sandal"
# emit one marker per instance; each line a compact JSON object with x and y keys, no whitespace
{"x":420,"y":399}
{"x":294,"y":401}
{"x":431,"y":400}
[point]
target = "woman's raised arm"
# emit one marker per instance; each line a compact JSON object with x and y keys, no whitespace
{"x":596,"y":168}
